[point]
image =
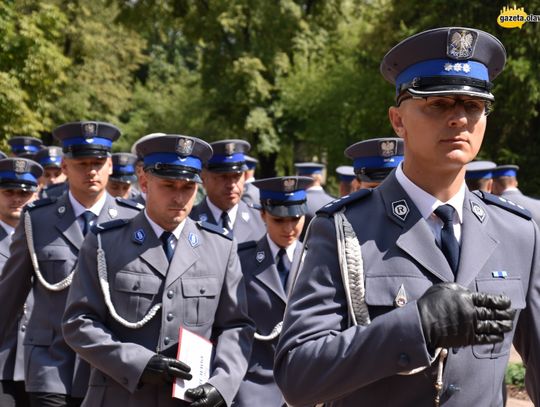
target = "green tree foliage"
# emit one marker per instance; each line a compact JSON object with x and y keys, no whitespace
{"x":32,"y":67}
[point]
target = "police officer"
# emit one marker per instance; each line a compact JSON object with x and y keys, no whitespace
{"x":18,"y":187}
{"x":53,"y":182}
{"x":316,"y":195}
{"x":346,"y":176}
{"x":374,"y":159}
{"x":268,"y":265}
{"x":24,"y":146}
{"x":479,"y":175}
{"x":223,"y":179}
{"x":123,"y":176}
{"x":505,"y":185}
{"x":43,"y":257}
{"x":407,"y":295}
{"x":156,"y":273}
{"x":251,"y":193}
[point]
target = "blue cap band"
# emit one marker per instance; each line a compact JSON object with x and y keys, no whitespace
{"x":21,"y":147}
{"x":346,"y":178}
{"x":507,"y":172}
{"x":12,"y":175}
{"x":308,"y":170}
{"x":81,"y":141}
{"x":128,"y":169}
{"x":173,"y":159}
{"x":227,"y":159}
{"x":377,"y":162}
{"x":283,"y":196}
{"x":479,"y":174}
{"x":443,"y":67}
{"x":50,"y":160}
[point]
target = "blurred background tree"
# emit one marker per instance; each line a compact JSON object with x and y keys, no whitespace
{"x":299,"y":79}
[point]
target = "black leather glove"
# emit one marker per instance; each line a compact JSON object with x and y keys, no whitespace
{"x":205,"y":395}
{"x":452,"y":316}
{"x":161,"y":369}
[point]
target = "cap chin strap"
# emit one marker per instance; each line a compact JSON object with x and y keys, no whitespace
{"x":104,"y":283}
{"x":62,"y":285}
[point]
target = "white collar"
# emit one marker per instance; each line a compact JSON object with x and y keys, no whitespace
{"x":158,"y":230}
{"x":216,"y":212}
{"x":274,"y":248}
{"x":79,"y":209}
{"x":425,"y":202}
{"x":8,"y":228}
{"x":315,"y":188}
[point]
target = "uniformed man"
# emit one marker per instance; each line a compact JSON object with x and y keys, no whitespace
{"x":223,"y":179}
{"x":267,"y":266}
{"x":24,"y":146}
{"x":18,"y":187}
{"x":479,"y":175}
{"x":123,"y":176}
{"x":374,"y":159}
{"x":346,"y":177}
{"x":505,"y":185}
{"x":157,"y":273}
{"x":408,"y":292}
{"x":43,"y":257}
{"x":316,"y":195}
{"x":251,"y":192}
{"x":53,"y":182}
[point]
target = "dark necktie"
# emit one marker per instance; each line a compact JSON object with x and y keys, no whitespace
{"x":226,"y":222}
{"x":87,"y":221}
{"x":283,"y":270}
{"x":167,"y":238}
{"x":449,"y":243}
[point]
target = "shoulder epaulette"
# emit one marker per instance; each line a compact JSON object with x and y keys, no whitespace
{"x":102,"y":227}
{"x":129,"y":203}
{"x":214,"y":229}
{"x":334,"y":206}
{"x":39,"y":203}
{"x":247,"y":245}
{"x":504,"y":203}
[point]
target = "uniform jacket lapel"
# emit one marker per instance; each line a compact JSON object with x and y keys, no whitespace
{"x":185,"y":253}
{"x":109,"y":211}
{"x":266,"y":272}
{"x":150,"y":249}
{"x":241,"y":225}
{"x":416,"y":238}
{"x":477,"y":240}
{"x":67,"y":224}
{"x":204,"y":213}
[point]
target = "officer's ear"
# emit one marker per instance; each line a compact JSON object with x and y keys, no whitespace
{"x":143,"y":181}
{"x":396,"y":120}
{"x":263,"y":215}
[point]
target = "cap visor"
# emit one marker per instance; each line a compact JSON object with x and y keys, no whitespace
{"x":16,"y":185}
{"x":452,"y":90}
{"x":177,"y":175}
{"x":127,"y":179}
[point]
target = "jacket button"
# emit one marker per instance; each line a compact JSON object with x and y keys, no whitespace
{"x":170,"y":316}
{"x":136,"y":287}
{"x":23,"y":328}
{"x":202,"y":290}
{"x":167,"y":340}
{"x":170,"y":294}
{"x":403,"y":360}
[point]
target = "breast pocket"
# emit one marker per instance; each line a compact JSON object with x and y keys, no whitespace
{"x":383,"y":292}
{"x":513,"y":288}
{"x":201,"y":296}
{"x":56,"y":262}
{"x":135,"y":293}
